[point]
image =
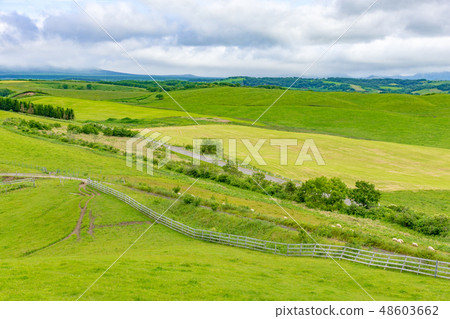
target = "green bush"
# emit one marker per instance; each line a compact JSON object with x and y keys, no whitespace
{"x":188,"y":199}
{"x":323,"y":193}
{"x":214,"y":206}
{"x":365,"y":194}
{"x":5,"y":92}
{"x":176,"y":189}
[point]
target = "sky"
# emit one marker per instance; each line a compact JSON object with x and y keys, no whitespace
{"x":228,"y":37}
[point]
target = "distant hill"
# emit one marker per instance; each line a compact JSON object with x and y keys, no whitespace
{"x":340,"y":84}
{"x":425,"y":83}
{"x":90,"y":75}
{"x":436,"y":76}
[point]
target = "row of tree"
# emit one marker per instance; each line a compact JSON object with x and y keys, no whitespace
{"x":47,"y":110}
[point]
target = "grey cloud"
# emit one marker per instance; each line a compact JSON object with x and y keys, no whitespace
{"x":265,"y":37}
{"x":18,"y":27}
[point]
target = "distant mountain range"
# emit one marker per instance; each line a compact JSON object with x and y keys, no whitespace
{"x":437,"y":76}
{"x":90,"y":75}
{"x":99,"y":75}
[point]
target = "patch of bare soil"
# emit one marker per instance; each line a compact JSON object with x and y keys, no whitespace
{"x":213,"y":119}
{"x":77,"y":230}
{"x":29,"y":93}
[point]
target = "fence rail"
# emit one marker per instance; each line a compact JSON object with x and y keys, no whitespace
{"x":402,"y":263}
{"x":17,"y":181}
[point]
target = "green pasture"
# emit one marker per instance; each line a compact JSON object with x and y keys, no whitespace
{"x":400,"y":118}
{"x":164,"y":265}
{"x":390,"y":166}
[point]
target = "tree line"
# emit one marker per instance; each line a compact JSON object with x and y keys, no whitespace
{"x":47,"y":110}
{"x":322,"y":193}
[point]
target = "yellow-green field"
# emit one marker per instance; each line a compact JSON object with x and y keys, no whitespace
{"x":42,"y":259}
{"x":103,"y":110}
{"x":390,"y":166}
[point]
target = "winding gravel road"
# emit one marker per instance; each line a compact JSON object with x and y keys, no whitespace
{"x":246,"y":171}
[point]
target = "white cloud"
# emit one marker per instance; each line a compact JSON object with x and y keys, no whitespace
{"x":219,"y":37}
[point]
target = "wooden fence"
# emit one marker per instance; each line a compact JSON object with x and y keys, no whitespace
{"x":416,"y":265}
{"x":6,"y":184}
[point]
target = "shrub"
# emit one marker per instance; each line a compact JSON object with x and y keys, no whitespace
{"x":90,"y":129}
{"x":176,"y":189}
{"x":365,"y":194}
{"x":5,"y":92}
{"x":188,"y":199}
{"x":197,"y":201}
{"x":322,"y":193}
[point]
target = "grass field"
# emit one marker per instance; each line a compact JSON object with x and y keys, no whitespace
{"x":390,"y":166}
{"x":42,"y":259}
{"x":164,"y":265}
{"x":434,"y":202}
{"x":111,"y":168}
{"x":383,"y":117}
{"x":103,"y":110}
{"x":76,"y":89}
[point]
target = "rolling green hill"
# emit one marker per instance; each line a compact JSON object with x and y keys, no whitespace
{"x":165,"y":265}
{"x":60,"y":236}
{"x":383,"y":117}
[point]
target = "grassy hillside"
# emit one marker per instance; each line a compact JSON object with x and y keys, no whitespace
{"x":389,"y":166}
{"x":59,"y":237}
{"x":103,"y":110}
{"x":384,"y":117}
{"x":75,"y":89}
{"x":433,"y":202}
{"x":165,"y":265}
{"x":111,"y":168}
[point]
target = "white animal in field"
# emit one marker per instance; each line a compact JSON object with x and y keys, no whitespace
{"x":252,"y":210}
{"x":431,"y":248}
{"x":338,"y":225}
{"x":400,"y":241}
{"x":415,"y":245}
{"x":394,"y":239}
{"x":333,"y":226}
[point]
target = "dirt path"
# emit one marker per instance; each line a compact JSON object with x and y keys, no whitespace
{"x":84,"y":192}
{"x":208,"y":159}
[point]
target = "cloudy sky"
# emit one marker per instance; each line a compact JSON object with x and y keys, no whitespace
{"x":228,"y":37}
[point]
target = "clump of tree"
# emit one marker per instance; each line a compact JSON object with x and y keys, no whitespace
{"x":47,"y":110}
{"x":5,"y":92}
{"x":324,"y":193}
{"x":167,"y":85}
{"x":44,"y":130}
{"x":365,"y":194}
{"x":85,"y":129}
{"x":118,"y":131}
{"x":95,"y":129}
{"x":25,"y":125}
